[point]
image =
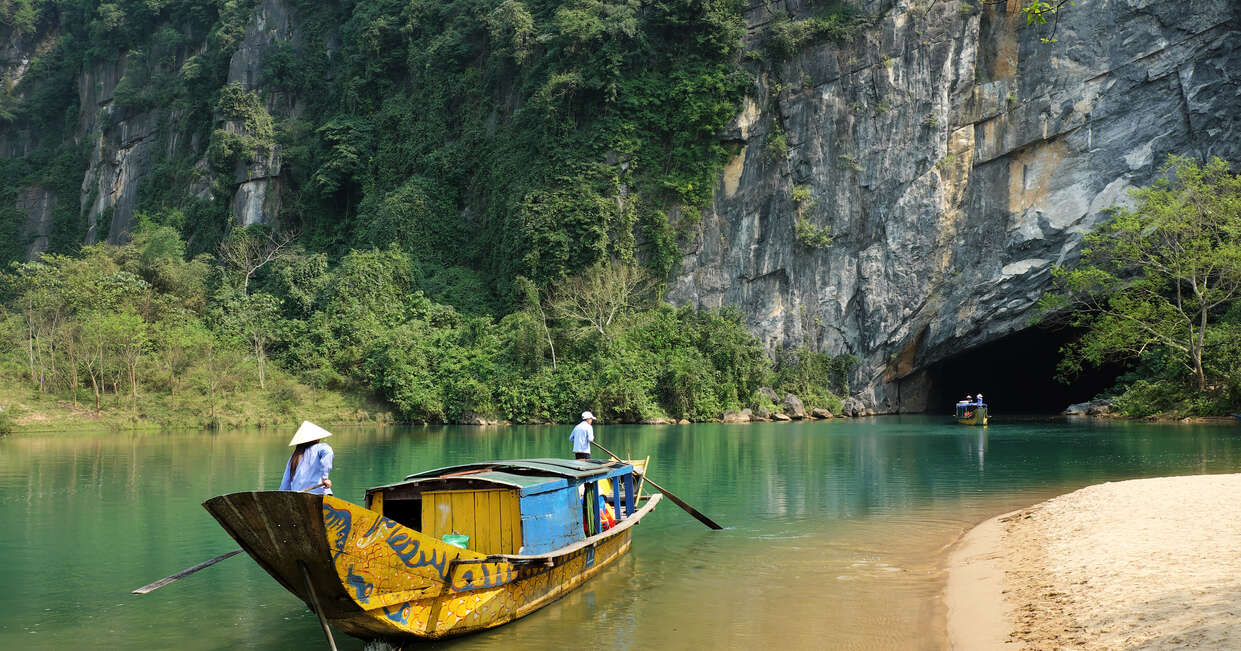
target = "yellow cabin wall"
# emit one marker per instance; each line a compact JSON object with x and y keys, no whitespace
{"x":491,"y":518}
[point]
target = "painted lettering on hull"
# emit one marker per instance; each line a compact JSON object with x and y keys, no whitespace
{"x":407,"y":547}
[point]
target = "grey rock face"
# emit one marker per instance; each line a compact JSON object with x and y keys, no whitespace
{"x":956,"y":160}
{"x":127,"y":142}
{"x":820,"y":413}
{"x":37,"y":205}
{"x":793,"y":407}
{"x":852,"y":407}
{"x":257,"y":198}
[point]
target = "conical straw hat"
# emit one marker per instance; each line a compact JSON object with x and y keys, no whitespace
{"x":309,"y":432}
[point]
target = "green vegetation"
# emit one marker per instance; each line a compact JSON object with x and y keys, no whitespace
{"x":806,"y":233}
{"x":836,"y":21}
{"x":1038,"y":11}
{"x":124,"y":335}
{"x":811,"y":236}
{"x":140,"y":333}
{"x":1159,"y":287}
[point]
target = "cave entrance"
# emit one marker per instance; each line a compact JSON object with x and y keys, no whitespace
{"x":1016,"y":374}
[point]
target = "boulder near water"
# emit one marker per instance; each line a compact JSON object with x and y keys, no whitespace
{"x":852,"y":407}
{"x":1100,"y":407}
{"x":794,"y":407}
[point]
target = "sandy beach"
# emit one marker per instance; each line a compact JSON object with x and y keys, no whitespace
{"x":1141,"y":564}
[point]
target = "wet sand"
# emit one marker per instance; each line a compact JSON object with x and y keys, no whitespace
{"x":1141,"y":564}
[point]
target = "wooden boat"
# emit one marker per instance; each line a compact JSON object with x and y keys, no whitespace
{"x":972,"y":413}
{"x":385,"y":570}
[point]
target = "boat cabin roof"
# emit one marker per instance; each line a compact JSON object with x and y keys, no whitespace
{"x":530,"y":476}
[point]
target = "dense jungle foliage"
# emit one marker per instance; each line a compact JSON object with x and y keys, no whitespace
{"x":142,"y":329}
{"x":1159,"y":289}
{"x":487,"y":138}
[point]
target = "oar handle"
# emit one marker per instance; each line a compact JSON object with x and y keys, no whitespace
{"x":675,"y":500}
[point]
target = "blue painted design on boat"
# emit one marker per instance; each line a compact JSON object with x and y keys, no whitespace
{"x":338,"y":521}
{"x":362,"y":590}
{"x":400,"y":616}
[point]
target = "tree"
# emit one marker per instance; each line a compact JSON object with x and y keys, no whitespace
{"x":250,"y":248}
{"x":259,"y":322}
{"x":178,"y":346}
{"x":1160,"y":275}
{"x":601,"y":294}
{"x":533,"y":303}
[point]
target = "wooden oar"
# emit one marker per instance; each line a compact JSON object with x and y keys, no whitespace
{"x":675,"y":500}
{"x":186,"y":572}
{"x":201,"y":566}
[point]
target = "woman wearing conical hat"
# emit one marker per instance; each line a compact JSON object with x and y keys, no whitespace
{"x":310,"y":463}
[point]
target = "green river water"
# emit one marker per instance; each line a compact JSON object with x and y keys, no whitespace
{"x":836,"y":531}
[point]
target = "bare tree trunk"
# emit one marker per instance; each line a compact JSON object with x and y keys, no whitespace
{"x":260,"y":354}
{"x":547,"y":332}
{"x":95,"y":385}
{"x":30,"y":343}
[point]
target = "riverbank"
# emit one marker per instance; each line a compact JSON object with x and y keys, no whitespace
{"x":284,"y":402}
{"x":1146,"y":563}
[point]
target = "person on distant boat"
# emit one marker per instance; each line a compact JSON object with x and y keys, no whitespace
{"x":979,"y":402}
{"x":582,"y":436}
{"x":965,"y":401}
{"x":311,"y":461}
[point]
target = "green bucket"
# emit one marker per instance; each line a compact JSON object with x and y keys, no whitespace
{"x":457,"y":540}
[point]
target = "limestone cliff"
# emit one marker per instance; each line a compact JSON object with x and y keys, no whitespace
{"x":126,"y":138}
{"x":956,"y":159}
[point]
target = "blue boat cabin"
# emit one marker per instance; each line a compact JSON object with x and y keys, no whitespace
{"x":527,"y":507}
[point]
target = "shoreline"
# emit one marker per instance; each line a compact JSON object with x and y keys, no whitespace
{"x":79,"y":421}
{"x":1149,"y":563}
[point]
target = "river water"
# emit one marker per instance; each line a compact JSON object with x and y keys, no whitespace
{"x":836,"y":531}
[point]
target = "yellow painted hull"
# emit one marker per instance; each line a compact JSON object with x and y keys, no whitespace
{"x":376,"y":578}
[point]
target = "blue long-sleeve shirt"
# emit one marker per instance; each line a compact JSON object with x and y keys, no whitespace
{"x":314,"y":467}
{"x":581,"y":436}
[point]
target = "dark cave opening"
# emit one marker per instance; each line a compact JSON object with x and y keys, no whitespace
{"x":1016,"y":374}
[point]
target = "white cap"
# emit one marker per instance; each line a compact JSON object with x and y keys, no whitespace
{"x":309,"y":432}
{"x":587,"y":414}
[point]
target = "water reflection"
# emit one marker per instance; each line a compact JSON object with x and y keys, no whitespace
{"x":835,"y":529}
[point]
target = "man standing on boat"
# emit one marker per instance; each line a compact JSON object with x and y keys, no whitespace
{"x":582,"y":436}
{"x":310,"y":463}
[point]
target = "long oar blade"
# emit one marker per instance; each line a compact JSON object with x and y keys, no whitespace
{"x":205,"y":564}
{"x":184,"y":573}
{"x":675,"y":500}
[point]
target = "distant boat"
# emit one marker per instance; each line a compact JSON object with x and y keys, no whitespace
{"x":444,"y":552}
{"x":972,"y":413}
